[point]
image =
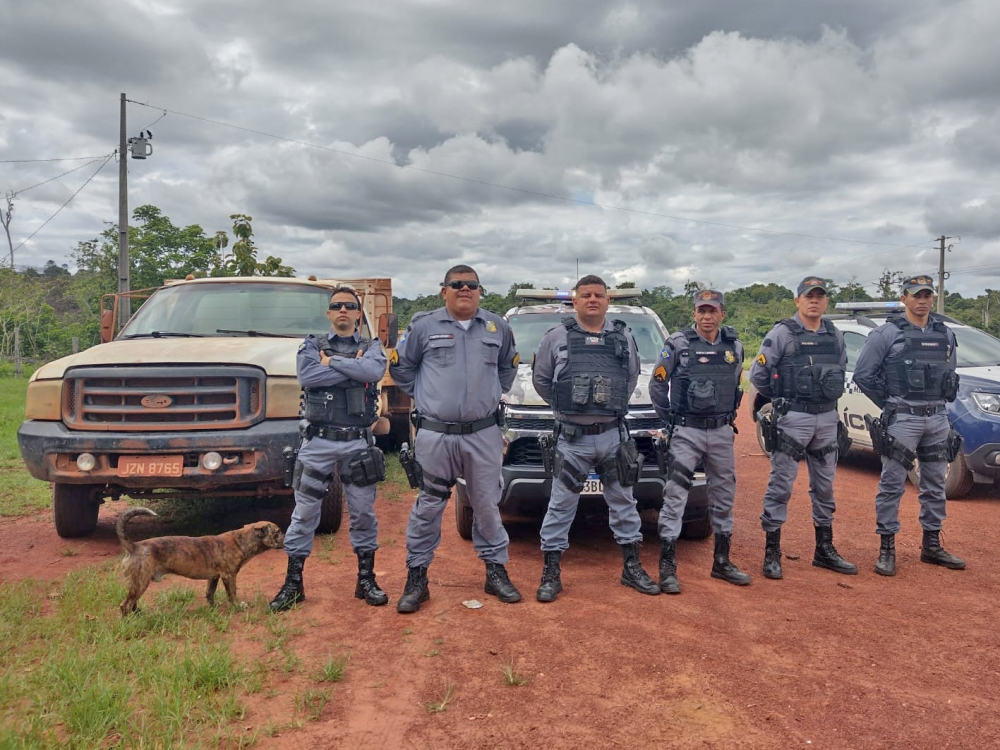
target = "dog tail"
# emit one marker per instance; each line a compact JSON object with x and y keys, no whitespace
{"x":123,"y":519}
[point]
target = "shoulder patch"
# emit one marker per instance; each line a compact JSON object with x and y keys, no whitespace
{"x":302,"y":346}
{"x":761,"y":359}
{"x":665,"y":352}
{"x":516,"y":361}
{"x":660,"y":374}
{"x":403,"y":337}
{"x":491,"y":326}
{"x":393,"y":357}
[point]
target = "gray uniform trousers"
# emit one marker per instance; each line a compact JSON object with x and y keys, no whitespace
{"x":814,"y":431}
{"x":687,"y":446}
{"x":477,"y":459}
{"x":913,"y":431}
{"x":583,"y":454}
{"x":323,"y":455}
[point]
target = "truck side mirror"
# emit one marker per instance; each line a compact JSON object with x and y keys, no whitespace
{"x":107,"y":325}
{"x":388,"y":329}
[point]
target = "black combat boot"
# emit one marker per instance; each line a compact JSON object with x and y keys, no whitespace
{"x":668,"y":567}
{"x":826,"y":554}
{"x":292,"y":591}
{"x":415,"y":592}
{"x":498,"y":584}
{"x":772,"y":556}
{"x":722,"y":566}
{"x":551,"y":582}
{"x":932,"y":552}
{"x":632,"y":573}
{"x":367,"y":588}
{"x":886,"y":564}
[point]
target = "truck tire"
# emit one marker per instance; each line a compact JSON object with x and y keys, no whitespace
{"x":74,"y":507}
{"x":463,"y":512}
{"x":332,"y":511}
{"x":957,"y":482}
{"x":700,"y":529}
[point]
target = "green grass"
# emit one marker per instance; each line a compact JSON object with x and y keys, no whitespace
{"x":440,"y":705}
{"x":20,"y":493}
{"x":73,"y":673}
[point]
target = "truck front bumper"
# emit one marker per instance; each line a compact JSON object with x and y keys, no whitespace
{"x":250,"y":456}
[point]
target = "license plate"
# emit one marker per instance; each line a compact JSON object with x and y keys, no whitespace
{"x":150,"y":466}
{"x":593,"y":486}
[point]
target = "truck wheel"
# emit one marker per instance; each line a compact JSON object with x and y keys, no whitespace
{"x":75,"y":509}
{"x":332,"y":511}
{"x":957,"y":482}
{"x":700,"y":529}
{"x":463,"y":512}
{"x":765,"y":409}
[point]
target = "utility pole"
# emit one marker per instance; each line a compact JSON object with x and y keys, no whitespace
{"x":124,"y":283}
{"x":940,"y":299}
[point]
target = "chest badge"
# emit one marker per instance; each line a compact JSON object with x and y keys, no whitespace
{"x":730,"y":357}
{"x":704,"y":360}
{"x":491,"y":327}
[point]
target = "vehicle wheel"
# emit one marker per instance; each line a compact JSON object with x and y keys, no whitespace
{"x":332,"y":511}
{"x":463,"y":511}
{"x":957,"y":482}
{"x":701,"y":529}
{"x":764,"y":410}
{"x":75,"y":509}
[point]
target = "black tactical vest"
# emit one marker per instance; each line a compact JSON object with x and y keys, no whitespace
{"x":349,"y":404}
{"x":594,"y":381}
{"x":706,"y":385}
{"x":921,"y":371}
{"x":813,"y":373}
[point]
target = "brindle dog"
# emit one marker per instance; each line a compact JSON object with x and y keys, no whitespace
{"x":207,"y":557}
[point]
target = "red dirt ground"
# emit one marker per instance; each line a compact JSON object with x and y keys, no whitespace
{"x":816,"y":660}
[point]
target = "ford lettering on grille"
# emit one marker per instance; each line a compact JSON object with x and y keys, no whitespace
{"x":156,"y":402}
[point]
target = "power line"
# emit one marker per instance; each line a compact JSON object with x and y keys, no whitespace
{"x":578,"y":201}
{"x":106,"y":160}
{"x":35,"y":161}
{"x":39,"y":184}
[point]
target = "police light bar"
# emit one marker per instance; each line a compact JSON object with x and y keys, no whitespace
{"x":567,"y":295}
{"x":885,"y":306}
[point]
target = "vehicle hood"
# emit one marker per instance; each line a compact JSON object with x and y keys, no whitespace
{"x":980,"y":378}
{"x":273,"y":355}
{"x":523,"y":392}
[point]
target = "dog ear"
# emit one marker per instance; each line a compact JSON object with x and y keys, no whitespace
{"x":260,"y":529}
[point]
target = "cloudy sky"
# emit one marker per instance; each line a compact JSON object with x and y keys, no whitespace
{"x":651,"y":141}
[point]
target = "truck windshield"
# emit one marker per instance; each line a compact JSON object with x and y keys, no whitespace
{"x":202,"y":309}
{"x":530,"y":327}
{"x":976,"y":348}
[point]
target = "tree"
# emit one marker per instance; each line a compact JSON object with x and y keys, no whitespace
{"x":890,"y":284}
{"x":626,"y":285}
{"x":243,"y":261}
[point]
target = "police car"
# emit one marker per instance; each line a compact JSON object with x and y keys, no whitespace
{"x":526,"y":487}
{"x":975,"y":414}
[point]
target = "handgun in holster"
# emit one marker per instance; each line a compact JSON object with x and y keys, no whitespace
{"x":410,"y":466}
{"x":290,"y":455}
{"x":547,"y":444}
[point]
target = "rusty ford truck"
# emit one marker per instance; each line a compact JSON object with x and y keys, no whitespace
{"x":195,"y":397}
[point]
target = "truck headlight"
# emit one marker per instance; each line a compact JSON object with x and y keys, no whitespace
{"x":988,"y":402}
{"x":211,"y":461}
{"x":86,"y":462}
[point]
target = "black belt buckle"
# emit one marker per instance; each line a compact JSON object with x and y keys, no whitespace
{"x":465,"y":428}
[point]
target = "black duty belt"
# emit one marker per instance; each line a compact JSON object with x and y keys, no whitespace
{"x":808,"y":408}
{"x":330,"y":432}
{"x":703,"y":423}
{"x":919,"y":411}
{"x":456,"y":428}
{"x":598,"y":428}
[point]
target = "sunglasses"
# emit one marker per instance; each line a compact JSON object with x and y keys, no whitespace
{"x":456,"y":285}
{"x":344,"y":305}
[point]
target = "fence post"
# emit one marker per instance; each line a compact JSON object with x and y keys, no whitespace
{"x":17,"y":351}
{"x":76,"y":345}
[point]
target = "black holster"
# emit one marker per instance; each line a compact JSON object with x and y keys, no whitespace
{"x":844,"y":441}
{"x":547,"y":445}
{"x":290,"y":455}
{"x":628,"y":462}
{"x":411,"y":468}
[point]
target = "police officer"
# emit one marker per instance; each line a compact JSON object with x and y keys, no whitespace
{"x":586,"y":369}
{"x":907,"y":367}
{"x":802,"y":366}
{"x":456,"y":362}
{"x":339,"y":374}
{"x":695,"y":389}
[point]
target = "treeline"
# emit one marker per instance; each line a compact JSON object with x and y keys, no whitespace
{"x":49,"y":307}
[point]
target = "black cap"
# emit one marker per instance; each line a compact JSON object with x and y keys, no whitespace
{"x":809,"y":283}
{"x":708,"y":297}
{"x":914,"y":284}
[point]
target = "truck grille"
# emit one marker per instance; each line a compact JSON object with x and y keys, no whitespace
{"x":164,"y":397}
